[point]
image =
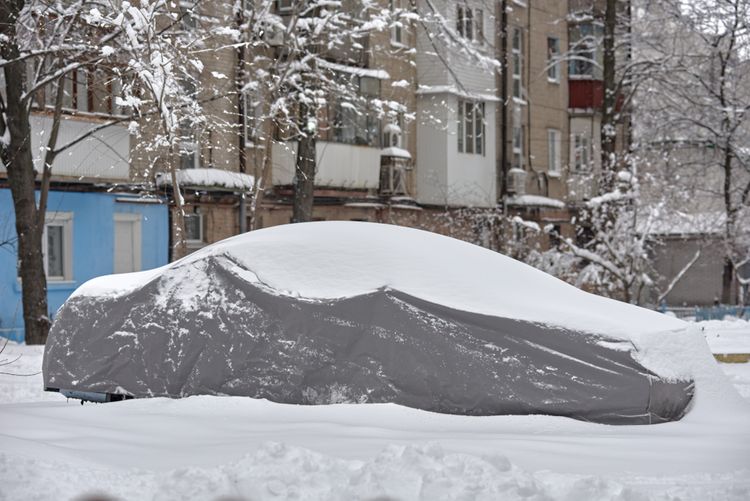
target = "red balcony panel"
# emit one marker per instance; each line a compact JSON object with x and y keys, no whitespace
{"x":585,"y":93}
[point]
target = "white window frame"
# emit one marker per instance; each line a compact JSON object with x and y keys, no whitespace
{"x":397,"y":29}
{"x":517,"y":64}
{"x":478,"y":19}
{"x":554,"y":144}
{"x":471,"y":130}
{"x":470,"y":22}
{"x":464,"y":21}
{"x":190,"y":148}
{"x":517,"y":144}
{"x":200,"y":241}
{"x":553,"y":61}
{"x":129,"y":217}
{"x":580,"y":141}
{"x":65,"y":220}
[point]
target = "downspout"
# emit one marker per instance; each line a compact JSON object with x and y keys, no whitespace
{"x":503,"y":184}
{"x":527,"y":66}
{"x":239,"y":84}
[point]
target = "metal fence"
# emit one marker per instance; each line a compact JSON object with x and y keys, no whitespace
{"x":699,"y":313}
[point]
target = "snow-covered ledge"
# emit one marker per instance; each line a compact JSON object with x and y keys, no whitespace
{"x":209,"y":178}
{"x":536,"y":201}
{"x":394,"y":151}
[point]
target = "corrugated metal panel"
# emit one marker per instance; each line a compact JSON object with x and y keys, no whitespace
{"x":339,"y":165}
{"x":105,"y":155}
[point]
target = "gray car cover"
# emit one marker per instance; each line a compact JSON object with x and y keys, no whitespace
{"x":244,"y":338}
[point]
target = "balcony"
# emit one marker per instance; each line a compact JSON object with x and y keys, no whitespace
{"x":585,"y":94}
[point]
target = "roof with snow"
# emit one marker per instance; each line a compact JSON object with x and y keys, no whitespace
{"x":535,"y":201}
{"x":209,"y":178}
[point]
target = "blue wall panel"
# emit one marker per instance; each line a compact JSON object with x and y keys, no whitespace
{"x":93,"y":246}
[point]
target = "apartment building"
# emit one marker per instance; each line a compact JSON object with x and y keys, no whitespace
{"x":464,"y":148}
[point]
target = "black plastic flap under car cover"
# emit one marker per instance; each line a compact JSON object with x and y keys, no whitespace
{"x":238,"y":337}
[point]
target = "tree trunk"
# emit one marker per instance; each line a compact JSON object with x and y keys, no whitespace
{"x":304,"y":172}
{"x":22,"y":178}
{"x":727,"y":279}
{"x":608,"y":124}
{"x":179,"y":249}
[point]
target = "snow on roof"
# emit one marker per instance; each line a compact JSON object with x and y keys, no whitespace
{"x":393,"y":151}
{"x":334,"y":259}
{"x":535,"y":200}
{"x":209,"y":178}
{"x":682,"y":223}
{"x":612,"y":196}
{"x":356,"y":70}
{"x":452,"y":89}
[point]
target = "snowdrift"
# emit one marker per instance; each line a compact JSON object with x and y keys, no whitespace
{"x":357,"y":312}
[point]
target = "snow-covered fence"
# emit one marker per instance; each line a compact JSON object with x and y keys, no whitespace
{"x":699,"y":314}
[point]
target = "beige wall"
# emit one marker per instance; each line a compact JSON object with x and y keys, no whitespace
{"x":546,"y":102}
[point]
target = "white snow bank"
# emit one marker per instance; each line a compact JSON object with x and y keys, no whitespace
{"x":727,"y":336}
{"x":209,"y":178}
{"x":427,"y":472}
{"x":209,"y":448}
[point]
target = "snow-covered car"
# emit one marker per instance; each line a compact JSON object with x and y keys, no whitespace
{"x":334,"y":312}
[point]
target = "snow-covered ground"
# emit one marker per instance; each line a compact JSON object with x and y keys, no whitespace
{"x":237,"y":448}
{"x":727,"y":336}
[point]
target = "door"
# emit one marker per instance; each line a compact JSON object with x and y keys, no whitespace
{"x":127,"y":243}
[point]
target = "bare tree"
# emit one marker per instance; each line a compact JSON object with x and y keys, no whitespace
{"x":701,"y":103}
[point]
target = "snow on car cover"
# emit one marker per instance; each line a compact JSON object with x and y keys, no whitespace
{"x":357,"y":312}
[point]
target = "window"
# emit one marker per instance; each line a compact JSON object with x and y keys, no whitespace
{"x":358,"y":124}
{"x":584,"y":38}
{"x":470,"y":23}
{"x":553,"y":150}
{"x":518,"y":147}
{"x":553,"y":55}
{"x":581,"y":152}
{"x":397,"y":35}
{"x":57,"y":246}
{"x":353,"y":126}
{"x":87,"y":90}
{"x":194,"y":228}
{"x":517,"y":56}
{"x":471,"y":129}
{"x":189,"y":155}
{"x":188,"y":19}
{"x":284,"y":5}
{"x":479,"y":25}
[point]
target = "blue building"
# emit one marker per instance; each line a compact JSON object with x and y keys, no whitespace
{"x":87,"y":234}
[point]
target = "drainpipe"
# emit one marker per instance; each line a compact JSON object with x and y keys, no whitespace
{"x":239,"y":83}
{"x":503,"y":191}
